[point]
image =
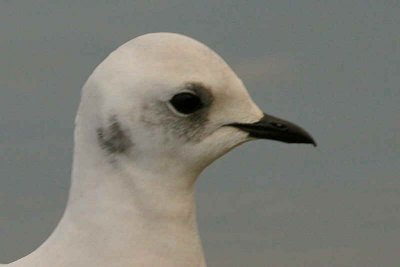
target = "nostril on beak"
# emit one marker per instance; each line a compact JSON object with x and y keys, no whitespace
{"x":279,"y":126}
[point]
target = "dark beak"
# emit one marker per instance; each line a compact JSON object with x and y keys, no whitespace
{"x":273,"y":128}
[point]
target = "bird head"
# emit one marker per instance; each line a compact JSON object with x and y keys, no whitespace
{"x":164,"y":99}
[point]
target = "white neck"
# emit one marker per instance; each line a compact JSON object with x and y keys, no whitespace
{"x":122,"y":216}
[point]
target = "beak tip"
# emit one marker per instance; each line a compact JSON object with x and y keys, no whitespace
{"x":305,"y":140}
{"x":311,"y":141}
{"x":308,"y":139}
{"x":314,"y":143}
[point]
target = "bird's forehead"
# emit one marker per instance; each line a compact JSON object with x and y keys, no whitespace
{"x":177,"y":56}
{"x":170,"y":47}
{"x":164,"y":62}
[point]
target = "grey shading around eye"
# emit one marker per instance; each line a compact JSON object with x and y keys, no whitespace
{"x":157,"y":116}
{"x":186,"y":103}
{"x":203,"y":91}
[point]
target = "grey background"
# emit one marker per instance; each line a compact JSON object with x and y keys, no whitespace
{"x":332,"y":67}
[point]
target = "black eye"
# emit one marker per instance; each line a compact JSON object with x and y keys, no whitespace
{"x":186,"y":103}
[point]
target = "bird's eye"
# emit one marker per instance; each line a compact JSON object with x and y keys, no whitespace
{"x":186,"y":103}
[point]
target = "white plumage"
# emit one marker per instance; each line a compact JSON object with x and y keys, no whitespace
{"x":153,"y":115}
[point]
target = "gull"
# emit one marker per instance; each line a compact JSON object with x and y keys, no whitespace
{"x":154,"y":114}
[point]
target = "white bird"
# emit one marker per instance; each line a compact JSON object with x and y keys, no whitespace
{"x":153,"y":115}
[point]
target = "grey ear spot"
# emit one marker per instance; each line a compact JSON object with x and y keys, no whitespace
{"x":113,"y":139}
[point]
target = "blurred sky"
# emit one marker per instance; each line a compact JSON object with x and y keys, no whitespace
{"x":332,"y":67}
